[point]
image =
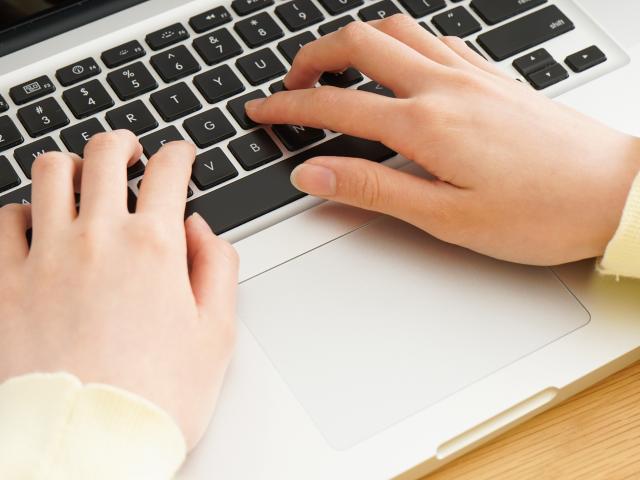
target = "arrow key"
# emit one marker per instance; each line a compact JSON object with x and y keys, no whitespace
{"x":586,"y":59}
{"x":549,"y":76}
{"x":212,"y":168}
{"x":533,"y":62}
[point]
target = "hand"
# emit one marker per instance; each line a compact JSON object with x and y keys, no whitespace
{"x":144,"y":302}
{"x":515,"y":175}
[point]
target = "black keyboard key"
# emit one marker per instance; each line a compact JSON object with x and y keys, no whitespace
{"x":258,"y":30}
{"x":212,"y":168}
{"x":335,"y":7}
{"x":175,"y":63}
{"x":345,"y":79}
{"x":122,"y":54}
{"x":277,"y":87}
{"x":245,"y":7}
{"x":208,"y":128}
{"x":25,"y":156}
{"x":495,"y":11}
{"x":586,"y":59}
{"x":21,"y":196}
{"x":154,"y":141}
{"x":378,"y":11}
{"x":472,"y":46}
{"x":295,"y":137}
{"x":134,"y":116}
{"x":28,"y":91}
{"x":130,"y":81}
{"x":42,"y":117}
{"x":175,"y":102}
{"x":217,"y":46}
{"x":87,"y":99}
{"x":8,"y":177}
{"x":532,"y":62}
{"x":548,"y":76}
{"x":254,"y":149}
{"x":427,"y":28}
{"x":218,"y":84}
{"x":78,"y":71}
{"x":76,"y":137}
{"x":10,"y":136}
{"x":375,"y":87}
{"x":4,"y":105}
{"x":299,"y":14}
{"x":167,"y":36}
{"x":420,"y":8}
{"x":456,"y":22}
{"x":210,"y":19}
{"x":270,"y":188}
{"x":290,"y":47}
{"x":236,"y":108}
{"x":334,"y":25}
{"x":260,"y":66}
{"x":524,"y":33}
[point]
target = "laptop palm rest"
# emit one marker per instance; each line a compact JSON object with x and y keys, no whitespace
{"x":386,"y":321}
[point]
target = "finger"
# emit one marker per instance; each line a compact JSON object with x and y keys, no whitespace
{"x":372,"y":186}
{"x":104,"y":172}
{"x":15,"y":220}
{"x":354,"y":112}
{"x":53,"y":192}
{"x":166,"y":180}
{"x":459,"y":46}
{"x":213,"y":271}
{"x":406,"y":30}
{"x":394,"y":64}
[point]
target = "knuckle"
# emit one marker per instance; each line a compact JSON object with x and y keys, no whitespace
{"x":369,"y":190}
{"x":354,"y":33}
{"x":152,"y":234}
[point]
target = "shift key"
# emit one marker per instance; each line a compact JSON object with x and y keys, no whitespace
{"x":526,"y":32}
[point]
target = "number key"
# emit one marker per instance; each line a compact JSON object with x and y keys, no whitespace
{"x":42,"y":117}
{"x":175,"y":63}
{"x":87,"y":99}
{"x":299,"y":14}
{"x":217,"y":46}
{"x":258,"y":30}
{"x":335,"y":7}
{"x":131,"y":81}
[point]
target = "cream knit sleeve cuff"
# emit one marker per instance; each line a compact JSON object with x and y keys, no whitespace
{"x":622,"y":256}
{"x":52,"y":427}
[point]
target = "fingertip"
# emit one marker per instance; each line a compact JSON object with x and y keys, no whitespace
{"x":252,"y":107}
{"x":314,"y":179}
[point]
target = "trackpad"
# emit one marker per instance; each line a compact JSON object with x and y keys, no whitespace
{"x":386,"y":321}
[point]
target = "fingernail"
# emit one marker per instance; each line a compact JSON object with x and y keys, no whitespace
{"x":197,"y":219}
{"x":314,"y":180}
{"x":253,"y":105}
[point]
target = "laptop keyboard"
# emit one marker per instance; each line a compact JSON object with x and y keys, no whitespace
{"x":191,"y":79}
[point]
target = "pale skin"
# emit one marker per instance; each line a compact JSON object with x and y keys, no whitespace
{"x":145,"y":301}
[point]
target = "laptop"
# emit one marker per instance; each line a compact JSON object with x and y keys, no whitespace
{"x":366,"y":349}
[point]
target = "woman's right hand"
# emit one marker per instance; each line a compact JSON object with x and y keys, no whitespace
{"x":516,"y":175}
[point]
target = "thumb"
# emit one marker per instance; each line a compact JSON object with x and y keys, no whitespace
{"x":213,"y":266}
{"x":369,"y":185}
